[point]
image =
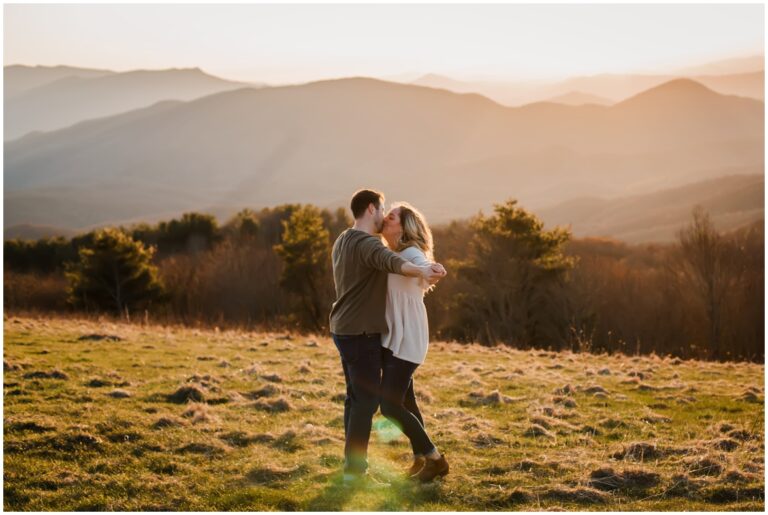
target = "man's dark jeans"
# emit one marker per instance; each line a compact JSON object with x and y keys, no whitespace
{"x":398,"y":402}
{"x":361,"y":361}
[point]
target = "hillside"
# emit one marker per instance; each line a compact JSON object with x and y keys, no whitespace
{"x":732,"y":201}
{"x":111,"y":416}
{"x":81,"y":96}
{"x":318,"y":142}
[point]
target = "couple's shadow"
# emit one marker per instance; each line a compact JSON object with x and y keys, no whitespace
{"x":400,"y":495}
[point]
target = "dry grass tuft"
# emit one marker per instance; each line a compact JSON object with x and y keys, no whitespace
{"x":253,"y":369}
{"x":269,"y":475}
{"x":119,"y":393}
{"x":288,"y":441}
{"x":494,"y":398}
{"x":40,"y":374}
{"x":9,"y":366}
{"x":535,"y":430}
{"x":164,"y":422}
{"x":684,"y":486}
{"x":267,"y":391}
{"x":95,"y":337}
{"x":278,"y":405}
{"x":98,"y":383}
{"x":576,"y":495}
{"x":605,"y":478}
{"x":564,"y":390}
{"x":207,"y":449}
{"x":27,"y":425}
{"x":729,"y":494}
{"x":639,"y":451}
{"x":736,"y":476}
{"x":750,"y":396}
{"x":187,"y":393}
{"x":565,"y":401}
{"x":244,"y":439}
{"x":74,"y":441}
{"x":483,"y":440}
{"x":655,"y":418}
{"x":741,"y":434}
{"x":644,"y":387}
{"x":199,"y":413}
{"x":725,"y":444}
{"x":703,"y":466}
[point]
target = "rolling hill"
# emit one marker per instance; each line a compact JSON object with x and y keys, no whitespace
{"x":75,"y":95}
{"x":732,"y":201}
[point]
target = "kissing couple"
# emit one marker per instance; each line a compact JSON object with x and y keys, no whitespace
{"x":379,"y":325}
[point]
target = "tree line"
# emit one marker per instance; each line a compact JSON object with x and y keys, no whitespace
{"x":511,"y":281}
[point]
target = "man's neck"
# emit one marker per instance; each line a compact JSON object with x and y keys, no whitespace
{"x":365,"y":226}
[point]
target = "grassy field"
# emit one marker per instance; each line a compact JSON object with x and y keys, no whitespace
{"x":112,"y":416}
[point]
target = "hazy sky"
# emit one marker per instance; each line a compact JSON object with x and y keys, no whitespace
{"x":292,"y":43}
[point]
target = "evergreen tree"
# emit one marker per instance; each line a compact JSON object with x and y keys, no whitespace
{"x":512,"y":282}
{"x":114,"y":273}
{"x":305,"y":251}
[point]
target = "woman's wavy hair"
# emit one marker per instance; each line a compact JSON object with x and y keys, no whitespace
{"x":416,"y":231}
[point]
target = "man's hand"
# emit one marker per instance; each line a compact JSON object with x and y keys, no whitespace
{"x":437,"y":267}
{"x":433,"y":273}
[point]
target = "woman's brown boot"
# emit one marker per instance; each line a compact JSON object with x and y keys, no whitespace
{"x":433,"y":469}
{"x":418,"y":464}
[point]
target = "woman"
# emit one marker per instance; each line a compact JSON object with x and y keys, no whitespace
{"x":404,"y":346}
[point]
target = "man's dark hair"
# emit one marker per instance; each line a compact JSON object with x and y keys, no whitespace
{"x":362,"y":199}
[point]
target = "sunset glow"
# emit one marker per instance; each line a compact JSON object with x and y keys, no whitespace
{"x":294,"y":43}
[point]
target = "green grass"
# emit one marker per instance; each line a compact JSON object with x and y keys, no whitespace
{"x":69,"y":445}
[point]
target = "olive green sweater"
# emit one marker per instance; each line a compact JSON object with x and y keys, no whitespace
{"x":361,"y":263}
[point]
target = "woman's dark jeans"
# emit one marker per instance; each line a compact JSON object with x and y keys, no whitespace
{"x":398,"y":402}
{"x":361,"y":362}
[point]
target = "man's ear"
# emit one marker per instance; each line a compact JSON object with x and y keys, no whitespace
{"x":372,"y":209}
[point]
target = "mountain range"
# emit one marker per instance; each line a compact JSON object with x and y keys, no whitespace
{"x":449,"y":154}
{"x":606,"y":88}
{"x":742,"y":76}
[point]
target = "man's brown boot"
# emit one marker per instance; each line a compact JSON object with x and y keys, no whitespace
{"x":432,"y":469}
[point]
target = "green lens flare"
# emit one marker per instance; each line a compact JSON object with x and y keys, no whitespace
{"x":386,"y":430}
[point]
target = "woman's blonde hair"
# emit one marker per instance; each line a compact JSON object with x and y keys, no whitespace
{"x":416,"y":231}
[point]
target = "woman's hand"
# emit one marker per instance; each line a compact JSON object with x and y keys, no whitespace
{"x":435,"y":272}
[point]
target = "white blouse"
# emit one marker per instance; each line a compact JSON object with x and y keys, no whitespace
{"x":407,"y":333}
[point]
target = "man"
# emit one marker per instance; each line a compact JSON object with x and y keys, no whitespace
{"x":361,"y":263}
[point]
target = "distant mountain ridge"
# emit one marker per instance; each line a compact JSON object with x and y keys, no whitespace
{"x":18,"y":78}
{"x":71,"y":95}
{"x":741,"y":76}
